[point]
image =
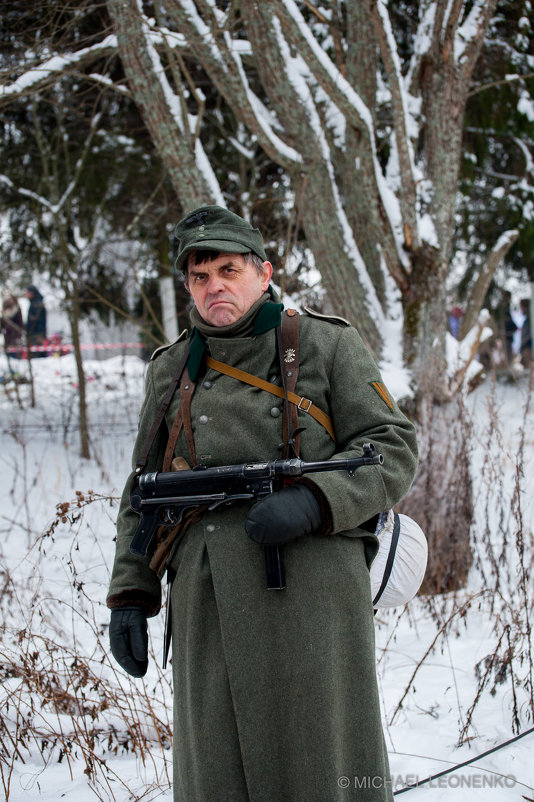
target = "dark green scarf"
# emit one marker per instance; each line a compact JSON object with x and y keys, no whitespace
{"x":262,"y":316}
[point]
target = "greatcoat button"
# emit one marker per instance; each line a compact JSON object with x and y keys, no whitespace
{"x":210,"y":528}
{"x":203,"y":419}
{"x":208,"y":385}
{"x":275,"y":412}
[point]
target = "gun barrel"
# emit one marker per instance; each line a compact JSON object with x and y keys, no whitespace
{"x":350,"y":465}
{"x":296,"y":467}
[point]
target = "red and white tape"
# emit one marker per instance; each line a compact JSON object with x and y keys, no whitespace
{"x":52,"y":348}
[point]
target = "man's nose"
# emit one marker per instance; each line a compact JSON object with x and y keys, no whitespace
{"x":215,"y":283}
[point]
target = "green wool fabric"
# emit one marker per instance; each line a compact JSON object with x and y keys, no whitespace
{"x":214,"y":228}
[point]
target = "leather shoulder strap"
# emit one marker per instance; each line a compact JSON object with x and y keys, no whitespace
{"x":304,"y":404}
{"x":289,"y":368}
{"x":142,"y":459}
{"x":182,"y":420}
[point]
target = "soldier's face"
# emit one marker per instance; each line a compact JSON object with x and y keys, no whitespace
{"x":225,"y":289}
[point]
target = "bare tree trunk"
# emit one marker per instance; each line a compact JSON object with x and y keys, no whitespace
{"x":73,"y":305}
{"x":424,"y":305}
{"x":355,"y":160}
{"x":12,"y":374}
{"x":30,"y":371}
{"x":441,"y":80}
{"x":441,"y":498}
{"x":321,"y":211}
{"x":166,"y":288}
{"x":170,"y":134}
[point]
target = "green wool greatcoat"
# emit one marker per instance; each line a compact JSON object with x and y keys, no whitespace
{"x":275,"y":693}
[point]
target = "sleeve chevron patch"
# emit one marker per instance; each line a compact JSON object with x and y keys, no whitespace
{"x":381,"y":389}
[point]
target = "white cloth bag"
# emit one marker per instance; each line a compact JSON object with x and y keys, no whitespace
{"x":399,"y":567}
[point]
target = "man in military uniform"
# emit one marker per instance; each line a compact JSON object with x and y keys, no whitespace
{"x":275,"y":693}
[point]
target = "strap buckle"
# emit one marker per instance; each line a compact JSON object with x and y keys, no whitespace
{"x":305,"y":401}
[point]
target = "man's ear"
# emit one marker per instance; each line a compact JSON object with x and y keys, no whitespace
{"x":267,"y":275}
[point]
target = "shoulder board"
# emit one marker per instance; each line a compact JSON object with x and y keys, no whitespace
{"x":165,"y":347}
{"x":339,"y":321}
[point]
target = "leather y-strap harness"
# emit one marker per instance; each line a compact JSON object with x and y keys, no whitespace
{"x":142,"y":459}
{"x":299,"y":402}
{"x":288,"y":346}
{"x":182,"y":419}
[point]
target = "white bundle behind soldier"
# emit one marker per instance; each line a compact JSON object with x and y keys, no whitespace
{"x":399,"y":567}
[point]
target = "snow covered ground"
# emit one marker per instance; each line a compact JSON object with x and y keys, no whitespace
{"x":73,"y":726}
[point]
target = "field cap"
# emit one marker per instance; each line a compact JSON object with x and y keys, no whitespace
{"x":212,"y":228}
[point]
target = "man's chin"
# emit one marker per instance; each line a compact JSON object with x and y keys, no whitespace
{"x":221,"y":315}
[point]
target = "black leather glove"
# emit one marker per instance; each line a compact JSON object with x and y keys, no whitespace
{"x":128,"y":638}
{"x":284,"y":516}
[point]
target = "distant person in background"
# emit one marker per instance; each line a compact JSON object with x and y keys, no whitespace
{"x":12,"y":326}
{"x":455,"y":318}
{"x":525,"y":348}
{"x":36,"y":320}
{"x":506,"y":326}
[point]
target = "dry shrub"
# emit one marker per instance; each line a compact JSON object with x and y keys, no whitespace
{"x":62,"y":696}
{"x":504,"y":557}
{"x":57,"y":704}
{"x":500,"y":585}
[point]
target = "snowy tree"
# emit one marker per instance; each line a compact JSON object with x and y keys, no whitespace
{"x":362,"y":107}
{"x":120,"y":192}
{"x":312,"y":86}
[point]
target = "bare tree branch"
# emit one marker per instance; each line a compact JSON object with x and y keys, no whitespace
{"x":476,"y":26}
{"x":509,"y":79}
{"x":450,"y":28}
{"x":51,"y":70}
{"x":211,"y":47}
{"x":407,"y":189}
{"x":480,"y":287}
